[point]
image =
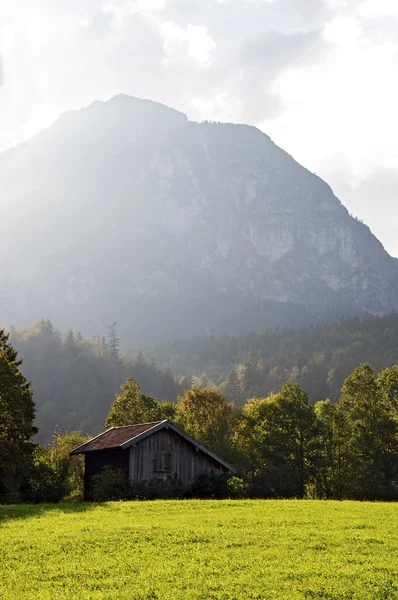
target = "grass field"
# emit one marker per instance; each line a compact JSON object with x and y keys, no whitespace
{"x":200,"y":549}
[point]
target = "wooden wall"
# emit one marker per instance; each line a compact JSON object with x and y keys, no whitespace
{"x":183,"y":459}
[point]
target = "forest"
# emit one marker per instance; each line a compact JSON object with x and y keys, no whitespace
{"x":318,"y":357}
{"x":281,"y":444}
{"x":75,"y":379}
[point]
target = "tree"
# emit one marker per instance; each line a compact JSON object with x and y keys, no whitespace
{"x":168,"y":410}
{"x":17,"y":412}
{"x":55,"y":474}
{"x":356,"y":440}
{"x":113,"y":343}
{"x":113,"y":346}
{"x":132,"y":407}
{"x":277,"y":433}
{"x":206,"y":415}
{"x":387,"y":382}
{"x":70,"y":468}
{"x":233,"y":388}
{"x":371,"y":437}
{"x":70,"y":339}
{"x":249,"y":429}
{"x":250,"y":377}
{"x":291,"y":422}
{"x":332,"y":475}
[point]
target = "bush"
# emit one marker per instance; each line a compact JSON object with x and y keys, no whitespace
{"x":274,"y":482}
{"x":152,"y":489}
{"x":236,"y":487}
{"x":54,"y":475}
{"x":110,"y":484}
{"x":42,"y":485}
{"x":209,"y":485}
{"x":46,"y":478}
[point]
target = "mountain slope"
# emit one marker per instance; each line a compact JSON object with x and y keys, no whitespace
{"x":127,"y":211}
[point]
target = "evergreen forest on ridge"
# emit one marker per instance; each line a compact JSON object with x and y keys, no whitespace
{"x":75,"y":380}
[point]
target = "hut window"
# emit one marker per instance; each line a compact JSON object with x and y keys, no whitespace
{"x":167,"y":461}
{"x":157,"y":461}
{"x":162,"y":462}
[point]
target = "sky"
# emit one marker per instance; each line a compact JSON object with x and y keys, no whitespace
{"x":319,"y":76}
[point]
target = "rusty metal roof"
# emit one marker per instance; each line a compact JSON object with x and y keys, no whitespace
{"x":114,"y":438}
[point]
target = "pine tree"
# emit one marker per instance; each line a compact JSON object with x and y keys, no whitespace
{"x":70,"y":338}
{"x":233,"y":389}
{"x":250,"y":377}
{"x":70,"y":342}
{"x":17,"y":412}
{"x":113,"y":342}
{"x":113,"y":347}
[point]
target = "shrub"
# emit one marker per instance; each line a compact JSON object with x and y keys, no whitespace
{"x":210,"y":485}
{"x":236,"y":487}
{"x":110,"y":484}
{"x":152,"y":489}
{"x":274,"y":482}
{"x":46,"y":478}
{"x":54,"y":475}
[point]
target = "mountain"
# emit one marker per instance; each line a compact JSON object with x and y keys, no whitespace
{"x":125,"y":211}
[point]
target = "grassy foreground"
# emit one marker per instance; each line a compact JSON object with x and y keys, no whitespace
{"x":171,"y":550}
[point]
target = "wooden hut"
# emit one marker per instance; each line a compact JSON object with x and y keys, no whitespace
{"x":148,"y":451}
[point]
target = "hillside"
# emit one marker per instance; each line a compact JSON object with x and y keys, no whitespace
{"x":75,"y":380}
{"x":319,"y":358}
{"x":127,"y":211}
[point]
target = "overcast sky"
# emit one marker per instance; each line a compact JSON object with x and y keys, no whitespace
{"x":319,"y":76}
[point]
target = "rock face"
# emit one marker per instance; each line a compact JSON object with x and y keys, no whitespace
{"x":127,"y":211}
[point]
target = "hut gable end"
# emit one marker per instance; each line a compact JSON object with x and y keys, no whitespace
{"x":168,"y":454}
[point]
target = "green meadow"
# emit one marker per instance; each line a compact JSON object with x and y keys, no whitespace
{"x":229,"y":550}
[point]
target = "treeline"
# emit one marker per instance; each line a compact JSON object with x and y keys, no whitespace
{"x":285,"y":447}
{"x":282,"y":445}
{"x":75,"y":380}
{"x":318,"y":358}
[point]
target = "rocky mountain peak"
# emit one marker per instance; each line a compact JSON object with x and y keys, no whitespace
{"x":130,"y":212}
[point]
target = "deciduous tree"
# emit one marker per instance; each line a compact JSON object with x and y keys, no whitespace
{"x":371,"y":436}
{"x":278,"y":434}
{"x":206,"y":415}
{"x":132,"y":407}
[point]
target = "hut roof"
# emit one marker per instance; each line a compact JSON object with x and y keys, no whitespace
{"x":114,"y":437}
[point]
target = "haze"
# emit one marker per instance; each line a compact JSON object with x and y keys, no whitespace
{"x":320,"y":77}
